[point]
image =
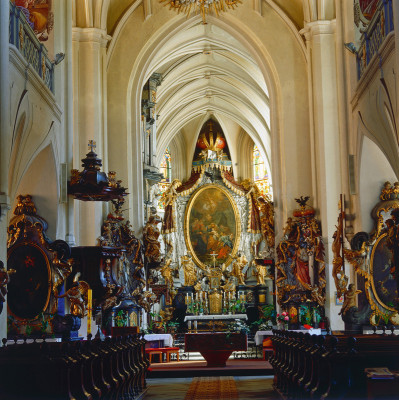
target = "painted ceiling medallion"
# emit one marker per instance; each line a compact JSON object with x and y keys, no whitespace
{"x":202,"y":6}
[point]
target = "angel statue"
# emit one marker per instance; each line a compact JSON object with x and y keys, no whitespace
{"x":260,"y":272}
{"x":349,"y":299}
{"x":190,"y":275}
{"x":166,"y":272}
{"x":77,"y":296}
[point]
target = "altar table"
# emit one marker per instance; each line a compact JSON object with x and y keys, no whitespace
{"x":215,"y":347}
{"x":216,"y":317}
{"x":165,"y":338}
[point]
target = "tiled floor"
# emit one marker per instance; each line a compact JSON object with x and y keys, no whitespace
{"x":249,"y":387}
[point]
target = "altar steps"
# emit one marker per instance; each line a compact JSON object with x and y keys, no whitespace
{"x":191,"y":368}
{"x":196,"y":356}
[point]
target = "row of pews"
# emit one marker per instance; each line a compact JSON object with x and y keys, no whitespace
{"x":331,"y":366}
{"x":114,"y":368}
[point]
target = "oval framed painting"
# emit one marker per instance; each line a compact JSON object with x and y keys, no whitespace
{"x":29,"y":289}
{"x":382,"y":273}
{"x":212,"y":226}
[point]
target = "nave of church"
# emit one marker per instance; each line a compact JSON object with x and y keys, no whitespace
{"x":210,"y":182}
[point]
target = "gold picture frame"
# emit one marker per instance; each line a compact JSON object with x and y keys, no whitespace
{"x":212,"y":226}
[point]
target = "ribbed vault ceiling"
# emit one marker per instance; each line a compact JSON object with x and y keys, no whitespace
{"x":206,"y":71}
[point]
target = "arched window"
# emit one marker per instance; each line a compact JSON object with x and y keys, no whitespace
{"x":260,"y":173}
{"x":166,"y":170}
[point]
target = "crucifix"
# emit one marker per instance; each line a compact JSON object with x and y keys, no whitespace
{"x":92,"y":145}
{"x":214,"y":258}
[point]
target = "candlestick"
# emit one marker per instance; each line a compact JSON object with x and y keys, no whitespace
{"x":195,"y":326}
{"x":89,"y":309}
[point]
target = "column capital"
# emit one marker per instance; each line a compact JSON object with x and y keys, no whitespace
{"x":320,"y":27}
{"x":95,"y":35}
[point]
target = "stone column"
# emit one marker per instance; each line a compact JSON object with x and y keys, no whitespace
{"x":5,"y":133}
{"x":321,"y":42}
{"x":89,"y":91}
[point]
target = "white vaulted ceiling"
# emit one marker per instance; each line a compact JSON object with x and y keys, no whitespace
{"x":208,"y":72}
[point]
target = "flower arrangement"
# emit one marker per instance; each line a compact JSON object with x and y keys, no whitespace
{"x":121,"y":318}
{"x":238,"y":326}
{"x":283,"y":317}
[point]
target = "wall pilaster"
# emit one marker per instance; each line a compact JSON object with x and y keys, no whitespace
{"x":89,"y":92}
{"x":395,"y":6}
{"x":327,"y":185}
{"x":4,"y":140}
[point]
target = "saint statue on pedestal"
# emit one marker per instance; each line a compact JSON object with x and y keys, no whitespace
{"x":238,"y":266}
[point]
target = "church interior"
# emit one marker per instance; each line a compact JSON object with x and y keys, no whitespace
{"x":199,"y":199}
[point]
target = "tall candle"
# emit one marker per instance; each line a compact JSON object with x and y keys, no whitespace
{"x":89,"y":309}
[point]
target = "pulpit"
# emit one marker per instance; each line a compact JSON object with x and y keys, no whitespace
{"x":216,"y":347}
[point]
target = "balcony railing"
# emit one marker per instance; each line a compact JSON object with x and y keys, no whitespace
{"x":21,"y":35}
{"x":379,"y":28}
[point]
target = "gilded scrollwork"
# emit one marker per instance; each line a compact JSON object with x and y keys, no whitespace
{"x":377,"y":261}
{"x":41,"y":267}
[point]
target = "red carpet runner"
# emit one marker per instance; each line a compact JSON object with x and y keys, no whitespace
{"x":211,"y":388}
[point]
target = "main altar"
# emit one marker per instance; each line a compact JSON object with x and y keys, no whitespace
{"x":216,"y":243}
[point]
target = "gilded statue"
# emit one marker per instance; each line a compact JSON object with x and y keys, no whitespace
{"x":77,"y":296}
{"x":4,"y":279}
{"x":229,"y":286}
{"x":267,"y":220}
{"x":260,"y":273}
{"x":62,"y":269}
{"x":151,"y":239}
{"x":238,"y":266}
{"x":337,"y":258}
{"x":190,"y":275}
{"x":169,"y":197}
{"x":166,"y":272}
{"x":113,"y":300}
{"x":145,"y":299}
{"x":349,"y":299}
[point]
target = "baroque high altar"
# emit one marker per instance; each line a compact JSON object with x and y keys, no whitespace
{"x":218,"y":236}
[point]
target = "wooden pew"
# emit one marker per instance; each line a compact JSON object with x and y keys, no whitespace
{"x":93,"y":369}
{"x":321,"y":367}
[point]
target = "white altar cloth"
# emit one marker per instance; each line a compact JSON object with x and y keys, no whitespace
{"x":260,"y":335}
{"x":211,"y":317}
{"x":166,"y":337}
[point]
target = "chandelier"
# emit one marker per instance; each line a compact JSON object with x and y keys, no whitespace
{"x":203,"y":6}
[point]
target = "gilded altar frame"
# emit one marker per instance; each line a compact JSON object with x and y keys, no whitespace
{"x":189,"y":212}
{"x":374,"y":260}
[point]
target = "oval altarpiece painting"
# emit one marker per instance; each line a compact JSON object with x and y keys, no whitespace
{"x":30,"y":287}
{"x":212,"y":226}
